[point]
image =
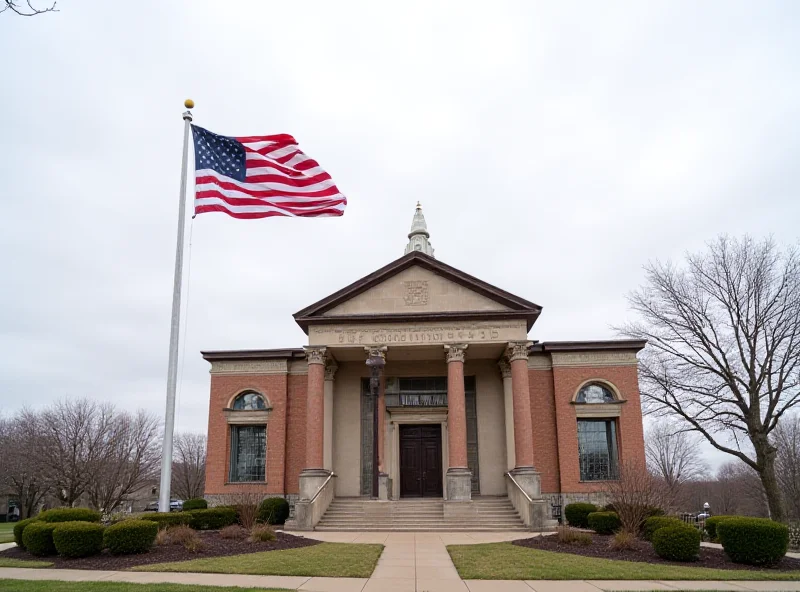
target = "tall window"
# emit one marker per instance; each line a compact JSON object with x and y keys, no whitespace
{"x":597,"y":449}
{"x":248,"y":453}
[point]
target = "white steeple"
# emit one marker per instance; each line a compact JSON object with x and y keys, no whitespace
{"x":418,"y":237}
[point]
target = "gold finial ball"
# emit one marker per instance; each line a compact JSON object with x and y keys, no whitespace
{"x":189,"y":104}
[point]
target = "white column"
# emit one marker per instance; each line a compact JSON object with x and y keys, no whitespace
{"x":327,"y":452}
{"x":508,"y":401}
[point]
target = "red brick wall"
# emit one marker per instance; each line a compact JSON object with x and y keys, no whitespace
{"x":296,"y":434}
{"x":630,"y":432}
{"x":223,"y":389}
{"x":545,"y":435}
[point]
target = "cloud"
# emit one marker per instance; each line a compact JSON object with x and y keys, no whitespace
{"x":555,"y":149}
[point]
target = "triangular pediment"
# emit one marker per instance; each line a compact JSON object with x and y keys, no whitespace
{"x":417,"y":287}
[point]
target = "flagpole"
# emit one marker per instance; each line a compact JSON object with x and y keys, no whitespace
{"x":174,"y":332}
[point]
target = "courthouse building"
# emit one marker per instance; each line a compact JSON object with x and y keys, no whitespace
{"x":468,"y":407}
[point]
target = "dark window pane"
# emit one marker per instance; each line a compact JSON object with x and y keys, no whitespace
{"x":249,"y":402}
{"x":597,"y":449}
{"x":248,"y":453}
{"x":594,"y":393}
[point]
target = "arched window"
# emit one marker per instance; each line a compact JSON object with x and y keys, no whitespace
{"x":595,"y":393}
{"x":249,"y":401}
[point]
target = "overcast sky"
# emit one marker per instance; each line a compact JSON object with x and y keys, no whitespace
{"x":555,"y":147}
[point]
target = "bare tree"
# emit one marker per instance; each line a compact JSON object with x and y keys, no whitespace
{"x":25,"y":10}
{"x":635,"y":494}
{"x":22,"y":472}
{"x":723,"y":348}
{"x":189,"y":466}
{"x":73,"y":438}
{"x":674,"y":455}
{"x":787,"y":441}
{"x":128,"y":459}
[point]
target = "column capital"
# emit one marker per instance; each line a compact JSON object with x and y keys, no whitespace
{"x":455,"y":352}
{"x":505,"y":368}
{"x":330,"y":369}
{"x":379,"y":351}
{"x":518,"y":350}
{"x":315,"y":354}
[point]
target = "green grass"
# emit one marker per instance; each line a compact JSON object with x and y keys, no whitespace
{"x":7,"y":562}
{"x":54,"y":586}
{"x":504,"y":561}
{"x":6,"y":532}
{"x":336,"y":560}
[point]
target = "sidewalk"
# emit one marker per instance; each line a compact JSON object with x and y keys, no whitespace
{"x":411,"y":562}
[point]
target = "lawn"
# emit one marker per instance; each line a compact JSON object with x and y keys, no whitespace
{"x":335,"y":560}
{"x":7,"y":562}
{"x":6,"y":532}
{"x":53,"y":586}
{"x":504,"y":561}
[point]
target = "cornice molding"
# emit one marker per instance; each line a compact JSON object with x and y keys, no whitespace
{"x":249,"y":367}
{"x":594,"y":359}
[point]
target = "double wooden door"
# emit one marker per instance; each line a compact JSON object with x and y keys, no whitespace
{"x":421,"y":460}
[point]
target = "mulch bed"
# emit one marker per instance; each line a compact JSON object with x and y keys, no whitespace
{"x":215,"y":546}
{"x":643,"y":552}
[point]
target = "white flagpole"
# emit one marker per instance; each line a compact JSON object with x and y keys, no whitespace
{"x":172,"y":372}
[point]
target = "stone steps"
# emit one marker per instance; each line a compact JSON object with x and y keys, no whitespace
{"x":418,"y":515}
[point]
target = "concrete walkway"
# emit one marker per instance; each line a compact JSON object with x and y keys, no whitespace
{"x":411,"y":562}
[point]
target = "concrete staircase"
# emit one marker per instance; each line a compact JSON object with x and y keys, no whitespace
{"x":492,"y":514}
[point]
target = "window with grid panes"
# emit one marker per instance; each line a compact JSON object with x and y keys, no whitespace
{"x":597,"y":449}
{"x":248,"y":453}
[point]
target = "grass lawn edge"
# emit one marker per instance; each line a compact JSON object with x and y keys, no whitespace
{"x":504,"y":561}
{"x":338,"y":560}
{"x":33,"y":563}
{"x":16,"y":585}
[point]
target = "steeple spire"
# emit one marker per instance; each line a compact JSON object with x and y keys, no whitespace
{"x":418,"y":237}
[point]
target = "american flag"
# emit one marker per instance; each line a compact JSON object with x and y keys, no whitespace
{"x":260,"y":176}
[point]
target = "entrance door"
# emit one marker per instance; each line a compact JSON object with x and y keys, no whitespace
{"x":421,"y":460}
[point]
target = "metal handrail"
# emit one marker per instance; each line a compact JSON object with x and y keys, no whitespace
{"x":514,"y":481}
{"x":321,"y":487}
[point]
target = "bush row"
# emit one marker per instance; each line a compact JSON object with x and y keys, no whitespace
{"x":80,"y":539}
{"x":208,"y":519}
{"x":753,"y":541}
{"x":197,"y":503}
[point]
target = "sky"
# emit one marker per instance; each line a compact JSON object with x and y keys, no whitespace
{"x":555,"y":147}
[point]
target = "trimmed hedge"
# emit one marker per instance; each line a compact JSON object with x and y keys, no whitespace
{"x":38,"y":538}
{"x":78,"y":539}
{"x":69,"y":515}
{"x":677,"y":543}
{"x":212,"y":518}
{"x":711,"y":526}
{"x":197,"y":503}
{"x":167,"y":519}
{"x":273,"y":510}
{"x":652,"y":524}
{"x":755,"y":541}
{"x":578,"y":514}
{"x":19,"y":528}
{"x":130,"y":536}
{"x":604,"y":522}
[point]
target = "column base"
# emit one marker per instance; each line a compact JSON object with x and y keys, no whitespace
{"x":384,"y":487}
{"x":459,"y":485}
{"x":529,"y":480}
{"x":310,"y":482}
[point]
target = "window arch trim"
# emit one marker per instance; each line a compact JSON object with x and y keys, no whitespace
{"x":610,"y":386}
{"x":246,"y":391}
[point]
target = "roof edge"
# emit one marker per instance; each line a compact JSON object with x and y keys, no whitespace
{"x":250,"y":354}
{"x":606,"y":344}
{"x":363,"y":284}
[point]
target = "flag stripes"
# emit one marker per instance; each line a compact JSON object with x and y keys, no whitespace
{"x":260,"y":176}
